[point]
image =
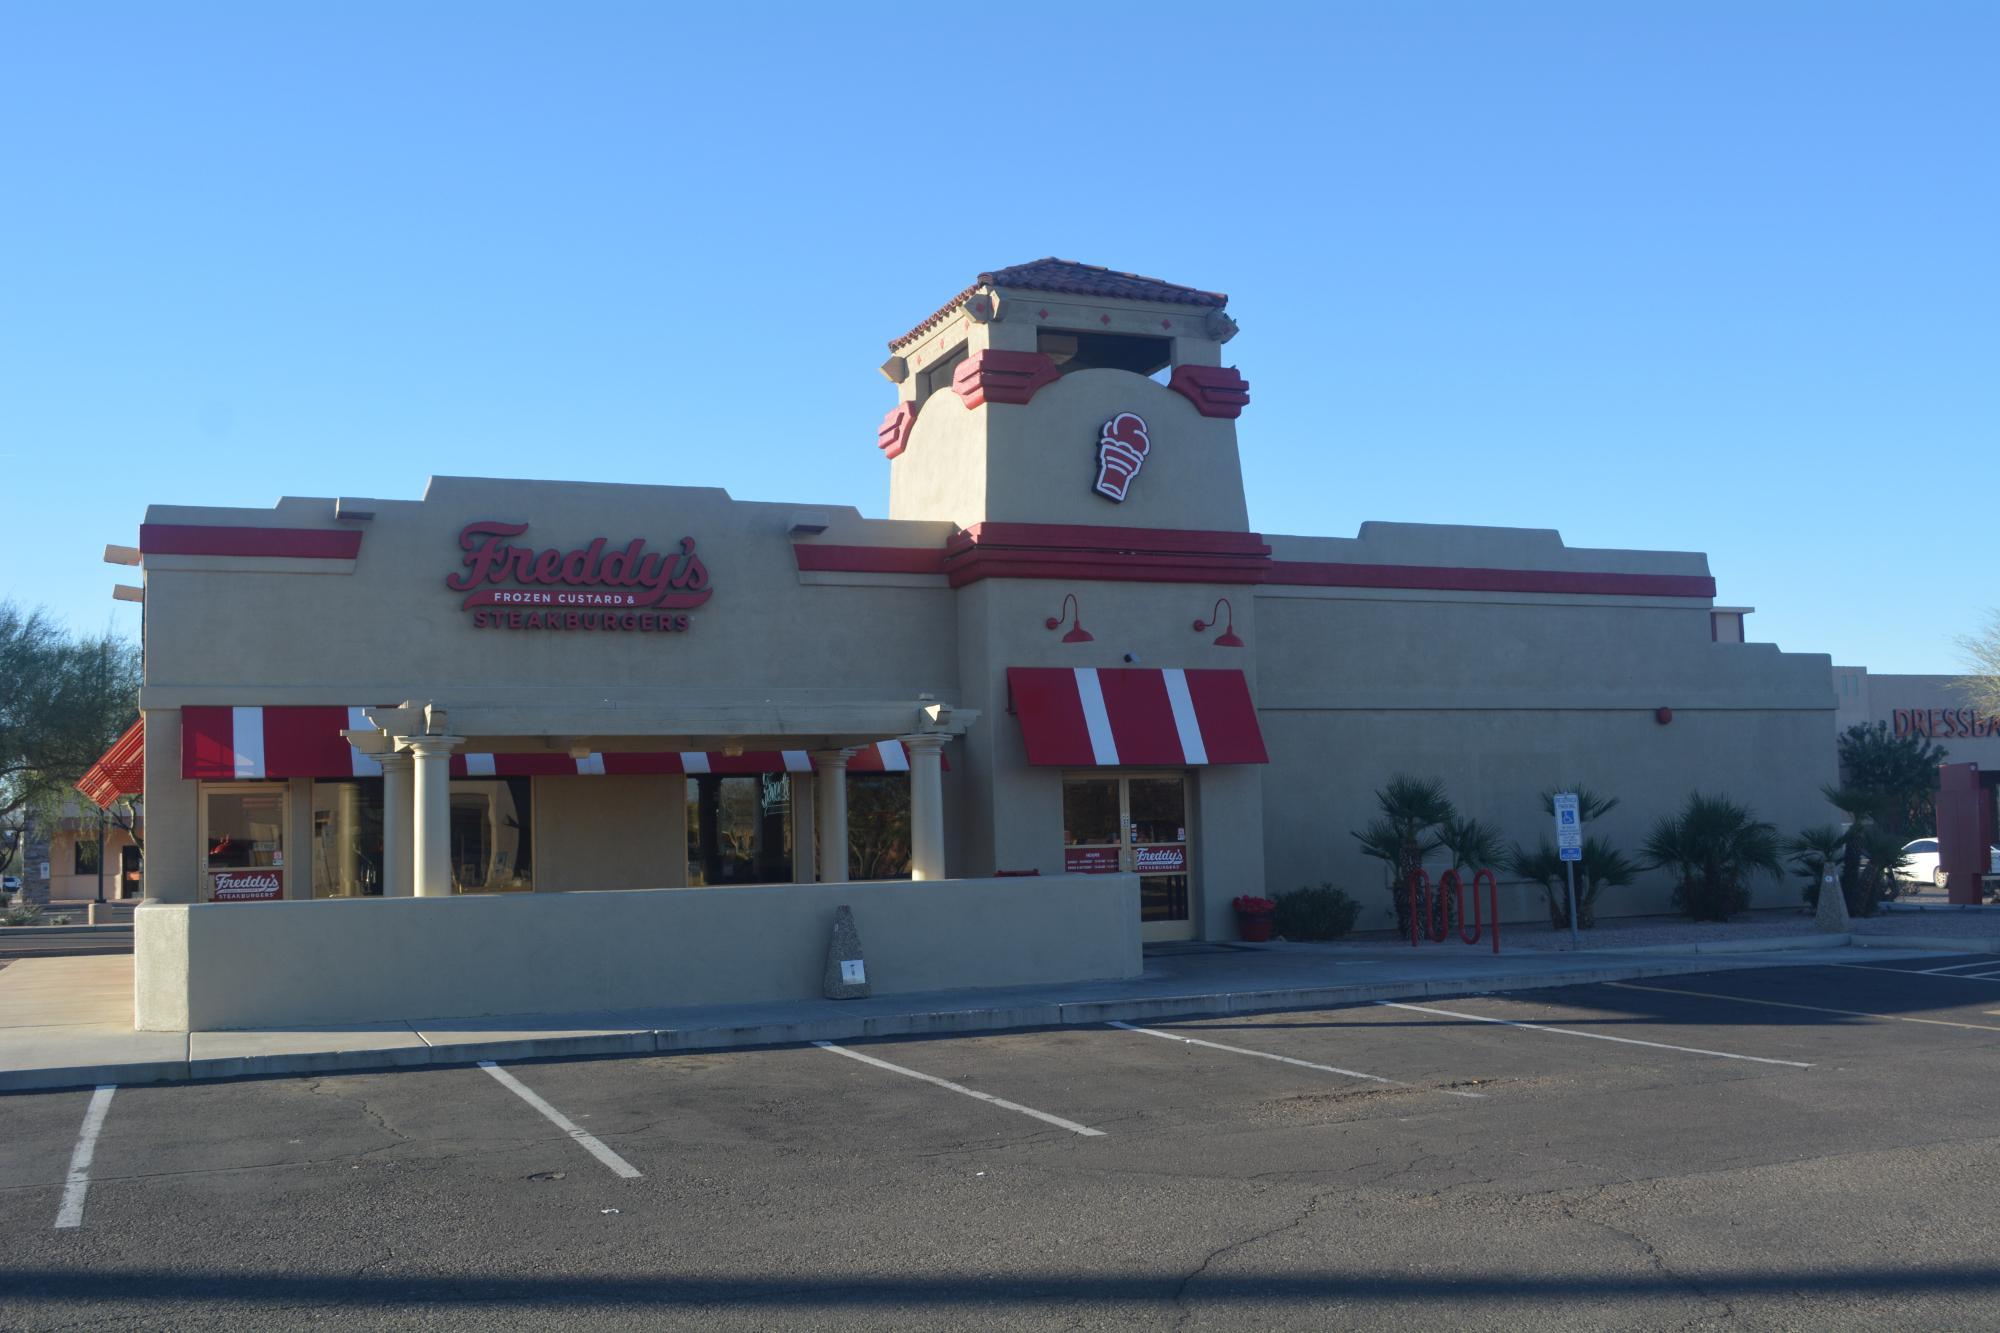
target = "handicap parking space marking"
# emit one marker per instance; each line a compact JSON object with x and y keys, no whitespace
{"x":1288,"y":1060}
{"x":1811,"y":1008}
{"x":1598,"y":1036}
{"x":589,"y":1142}
{"x":77,"y":1184}
{"x":1043,"y":1116}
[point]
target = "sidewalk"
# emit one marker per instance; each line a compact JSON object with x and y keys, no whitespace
{"x":66,"y":1022}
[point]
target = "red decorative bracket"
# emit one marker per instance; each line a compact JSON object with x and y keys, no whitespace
{"x":1215,"y":391}
{"x":893,"y":436}
{"x":995,"y":376}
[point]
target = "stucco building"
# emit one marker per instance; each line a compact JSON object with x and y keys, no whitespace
{"x":1065,"y":649}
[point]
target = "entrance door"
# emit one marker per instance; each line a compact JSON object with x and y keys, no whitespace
{"x":1135,"y":823}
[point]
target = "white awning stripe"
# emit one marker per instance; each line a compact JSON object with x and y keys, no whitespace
{"x":694,"y":761}
{"x":246,"y":741}
{"x":479,"y":765}
{"x":590,"y":765}
{"x":1095,"y":719}
{"x":895,"y":759}
{"x":798,"y":761}
{"x":1185,"y":721}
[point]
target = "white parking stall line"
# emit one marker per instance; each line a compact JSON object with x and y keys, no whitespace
{"x":1288,"y":1060}
{"x":70,"y":1214}
{"x":932,"y":1079}
{"x":1984,"y":964}
{"x":590,"y":1142}
{"x":1811,"y":1008}
{"x":1905,"y":972}
{"x":1596,"y":1036}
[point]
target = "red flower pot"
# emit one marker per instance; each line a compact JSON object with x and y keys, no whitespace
{"x":1254,"y":928}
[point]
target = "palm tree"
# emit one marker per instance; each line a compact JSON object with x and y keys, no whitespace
{"x":1713,"y":846}
{"x":1405,"y":832}
{"x":1812,"y":851}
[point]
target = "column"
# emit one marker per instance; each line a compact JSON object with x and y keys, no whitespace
{"x":830,"y":786}
{"x":431,"y":836}
{"x":805,"y":842}
{"x":926,"y":805}
{"x":347,"y":826}
{"x":398,"y":798}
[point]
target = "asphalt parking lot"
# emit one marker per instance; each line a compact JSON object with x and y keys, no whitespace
{"x":1785,"y":1147}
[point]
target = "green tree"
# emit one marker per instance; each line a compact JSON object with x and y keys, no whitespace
{"x":1405,"y":832}
{"x":1902,"y":772}
{"x":1712,"y":847}
{"x":63,"y":700}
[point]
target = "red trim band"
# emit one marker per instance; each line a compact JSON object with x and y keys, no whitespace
{"x":1447,"y":578}
{"x":868,"y":559}
{"x":288,"y":543}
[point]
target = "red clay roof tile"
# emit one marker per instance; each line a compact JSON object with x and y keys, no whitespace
{"x":1067,"y":277}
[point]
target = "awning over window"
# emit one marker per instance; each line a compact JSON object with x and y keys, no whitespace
{"x":121,"y":771}
{"x":224,"y":744}
{"x":1083,"y":717}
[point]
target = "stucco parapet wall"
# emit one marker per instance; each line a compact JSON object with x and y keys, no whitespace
{"x":216,"y":966}
{"x":1474,"y":547}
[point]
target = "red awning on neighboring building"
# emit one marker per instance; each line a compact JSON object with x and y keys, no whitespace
{"x":225,"y":744}
{"x":120,"y":771}
{"x":1102,"y":717}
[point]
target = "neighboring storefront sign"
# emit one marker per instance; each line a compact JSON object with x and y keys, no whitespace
{"x":589,"y":587}
{"x":1090,"y":860}
{"x":1122,"y":446}
{"x":246,"y":886}
{"x":1159,"y":860}
{"x":1940,"y":722}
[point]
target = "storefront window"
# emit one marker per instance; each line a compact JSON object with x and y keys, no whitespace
{"x":244,"y":833}
{"x":347,"y":838}
{"x":739,"y":829}
{"x":86,"y":854}
{"x":878,"y":825}
{"x":492,"y":836}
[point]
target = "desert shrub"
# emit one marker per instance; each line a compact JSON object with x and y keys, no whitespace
{"x":1712,"y":847}
{"x":21,"y":914}
{"x":1404,"y":832}
{"x":1324,"y":913}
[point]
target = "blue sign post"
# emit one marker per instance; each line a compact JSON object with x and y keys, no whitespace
{"x":1569,"y":846}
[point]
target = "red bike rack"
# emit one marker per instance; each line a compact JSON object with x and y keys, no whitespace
{"x":1428,"y":907}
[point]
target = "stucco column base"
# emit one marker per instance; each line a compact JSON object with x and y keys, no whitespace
{"x":830,"y":792}
{"x":926,"y":805}
{"x":431,"y":843}
{"x":1832,"y":918}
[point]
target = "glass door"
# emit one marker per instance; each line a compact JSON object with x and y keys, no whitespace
{"x":243,"y":834}
{"x":1135,"y":823}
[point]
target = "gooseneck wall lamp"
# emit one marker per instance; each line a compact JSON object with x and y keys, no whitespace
{"x":1228,"y":638}
{"x":1070,"y":612}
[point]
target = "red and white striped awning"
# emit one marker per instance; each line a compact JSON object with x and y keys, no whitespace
{"x":120,"y":771}
{"x":1106,"y":717}
{"x":245,"y":744}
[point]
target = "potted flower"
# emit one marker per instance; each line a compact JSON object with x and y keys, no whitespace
{"x":1254,"y":917}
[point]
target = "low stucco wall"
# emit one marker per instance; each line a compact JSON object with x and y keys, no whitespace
{"x":206,"y":966}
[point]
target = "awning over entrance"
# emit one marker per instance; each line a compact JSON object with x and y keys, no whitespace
{"x":224,"y":744}
{"x":1082,"y":717}
{"x":121,"y":771}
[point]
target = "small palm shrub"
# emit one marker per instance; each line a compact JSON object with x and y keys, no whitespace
{"x":1602,"y":867}
{"x":1324,"y":913}
{"x":1810,"y":853}
{"x":1713,"y":847}
{"x":1404,"y":833}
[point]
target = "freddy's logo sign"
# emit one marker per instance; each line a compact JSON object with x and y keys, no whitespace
{"x":585,"y":588}
{"x":1122,"y":447}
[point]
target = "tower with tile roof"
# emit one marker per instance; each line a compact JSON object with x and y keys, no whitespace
{"x":1062,"y":393}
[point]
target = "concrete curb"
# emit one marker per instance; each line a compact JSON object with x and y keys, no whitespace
{"x":467,"y":1049}
{"x":1940,"y":943}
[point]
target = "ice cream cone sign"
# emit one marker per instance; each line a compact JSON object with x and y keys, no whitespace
{"x":1121,"y":451}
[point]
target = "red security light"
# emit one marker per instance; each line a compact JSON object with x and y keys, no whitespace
{"x":1070,"y":611}
{"x":1228,"y":637}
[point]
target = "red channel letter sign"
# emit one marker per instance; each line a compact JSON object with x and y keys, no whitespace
{"x":589,"y":587}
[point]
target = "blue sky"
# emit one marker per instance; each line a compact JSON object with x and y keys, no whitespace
{"x":1710,"y":276}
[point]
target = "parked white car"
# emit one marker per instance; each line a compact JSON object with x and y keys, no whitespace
{"x":1923,"y":861}
{"x":10,"y":884}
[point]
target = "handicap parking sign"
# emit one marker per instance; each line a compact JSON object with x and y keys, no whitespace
{"x":1569,"y":827}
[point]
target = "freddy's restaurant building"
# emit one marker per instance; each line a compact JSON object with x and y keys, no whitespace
{"x":1064,"y":655}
